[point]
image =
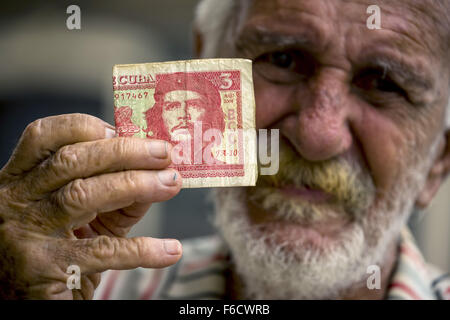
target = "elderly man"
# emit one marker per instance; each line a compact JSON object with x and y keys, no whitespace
{"x":363,"y":140}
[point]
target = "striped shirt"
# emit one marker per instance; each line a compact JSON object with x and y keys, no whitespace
{"x":200,"y":274}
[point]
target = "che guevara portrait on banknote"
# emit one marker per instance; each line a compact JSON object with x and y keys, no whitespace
{"x":189,"y":105}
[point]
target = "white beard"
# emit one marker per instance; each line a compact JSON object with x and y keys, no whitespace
{"x":308,"y":272}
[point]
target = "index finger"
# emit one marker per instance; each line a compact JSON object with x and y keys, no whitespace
{"x":44,"y":136}
{"x":110,"y":253}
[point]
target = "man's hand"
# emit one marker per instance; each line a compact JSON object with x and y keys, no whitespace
{"x":68,"y":196}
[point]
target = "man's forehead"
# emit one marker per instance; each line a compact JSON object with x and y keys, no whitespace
{"x":423,"y":22}
{"x":181,"y":95}
{"x":421,"y":9}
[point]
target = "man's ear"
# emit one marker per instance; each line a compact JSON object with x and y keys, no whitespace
{"x":198,"y":42}
{"x":437,"y":174}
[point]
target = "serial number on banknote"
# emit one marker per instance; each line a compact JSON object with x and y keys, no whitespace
{"x":129,"y":95}
{"x":226,"y":153}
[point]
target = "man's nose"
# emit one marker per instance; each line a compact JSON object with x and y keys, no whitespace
{"x":185,"y":112}
{"x":320,"y":129}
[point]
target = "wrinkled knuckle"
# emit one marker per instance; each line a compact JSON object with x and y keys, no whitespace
{"x":75,"y":194}
{"x":82,"y":119}
{"x":77,"y":117}
{"x":34,"y":130}
{"x":104,"y":247}
{"x":81,"y":125}
{"x":132,"y":180}
{"x":139,"y":245}
{"x":65,"y":159}
{"x":122,"y":146}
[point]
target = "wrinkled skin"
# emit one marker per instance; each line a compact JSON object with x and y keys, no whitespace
{"x":68,"y":196}
{"x":336,"y":89}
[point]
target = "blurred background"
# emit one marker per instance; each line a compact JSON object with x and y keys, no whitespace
{"x":46,"y":69}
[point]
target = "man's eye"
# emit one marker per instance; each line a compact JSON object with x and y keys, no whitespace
{"x":374,"y":80}
{"x":193,"y":105}
{"x":281,"y":59}
{"x":284,"y":66}
{"x":170,"y":106}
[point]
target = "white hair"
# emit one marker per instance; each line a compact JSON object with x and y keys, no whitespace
{"x":211,"y":20}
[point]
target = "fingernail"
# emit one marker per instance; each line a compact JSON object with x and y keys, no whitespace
{"x":158,"y":149}
{"x":168,"y":177}
{"x":109,"y":133}
{"x":172,"y":247}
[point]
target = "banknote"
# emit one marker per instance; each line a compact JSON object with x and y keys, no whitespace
{"x":205,"y":108}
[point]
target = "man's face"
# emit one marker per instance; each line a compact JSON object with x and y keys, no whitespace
{"x":359,"y":112}
{"x":181,"y":109}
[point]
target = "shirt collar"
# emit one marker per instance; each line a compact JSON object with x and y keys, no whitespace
{"x":410,"y":279}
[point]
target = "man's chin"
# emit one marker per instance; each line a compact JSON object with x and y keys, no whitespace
{"x":290,"y":254}
{"x":297,"y":223}
{"x":291,"y":236}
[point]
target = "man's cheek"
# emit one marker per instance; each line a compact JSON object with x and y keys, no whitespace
{"x":383,"y":144}
{"x":170,"y":118}
{"x":196,"y":115}
{"x":168,"y":125}
{"x":273,"y":102}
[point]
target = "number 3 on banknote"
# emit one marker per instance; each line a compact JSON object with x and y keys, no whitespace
{"x":226,"y":81}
